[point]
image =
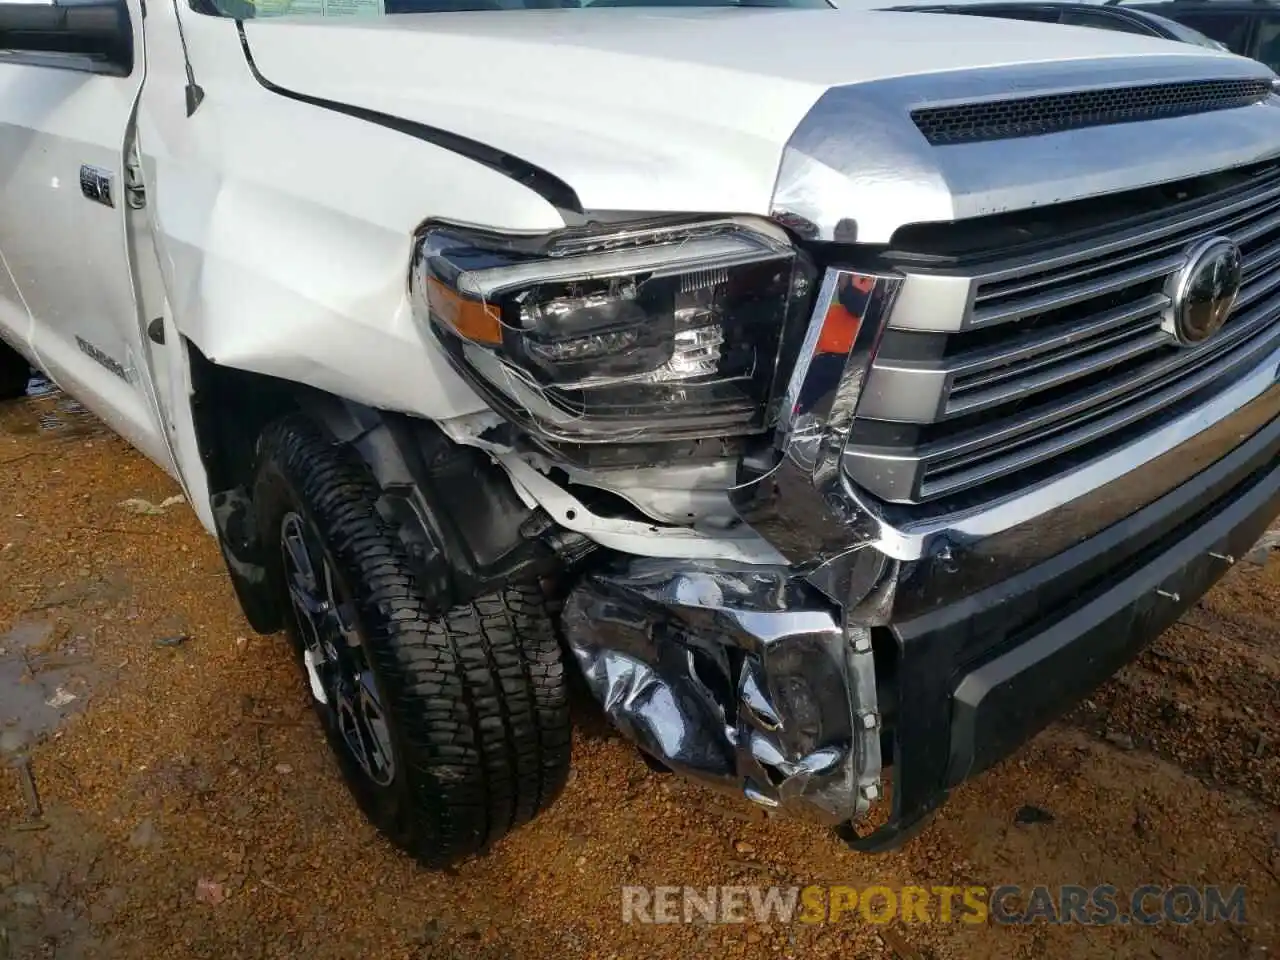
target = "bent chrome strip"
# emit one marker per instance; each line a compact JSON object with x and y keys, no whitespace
{"x":797,"y":502}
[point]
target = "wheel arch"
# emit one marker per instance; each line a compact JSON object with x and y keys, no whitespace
{"x":465,"y":528}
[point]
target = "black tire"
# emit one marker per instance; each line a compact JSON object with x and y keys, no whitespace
{"x":14,"y":373}
{"x":475,"y":716}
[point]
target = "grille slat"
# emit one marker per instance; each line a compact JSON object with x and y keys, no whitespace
{"x":1101,"y":355}
{"x":1261,"y":263}
{"x":1062,"y":350}
{"x":1164,"y":234}
{"x":1010,"y":117}
{"x":1094,"y":258}
{"x":1179,"y":363}
{"x":1058,"y":297}
{"x":949,"y":478}
{"x":1044,"y":347}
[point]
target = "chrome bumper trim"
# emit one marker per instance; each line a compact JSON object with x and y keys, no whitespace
{"x":738,"y":677}
{"x":800,"y":502}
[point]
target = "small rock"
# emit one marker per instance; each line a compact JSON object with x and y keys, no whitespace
{"x":210,"y":892}
{"x":742,"y":846}
{"x":24,"y":897}
{"x":581,"y":861}
{"x":144,"y":834}
{"x":283,"y":769}
{"x":61,"y":697}
{"x":147,"y":508}
{"x":754,"y":937}
{"x":11,"y":741}
{"x":177,"y":640}
{"x":1119,"y":739}
{"x":1028,"y":814}
{"x":1141,"y":824}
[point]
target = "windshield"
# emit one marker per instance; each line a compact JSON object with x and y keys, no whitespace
{"x":248,"y":9}
{"x":1184,"y":33}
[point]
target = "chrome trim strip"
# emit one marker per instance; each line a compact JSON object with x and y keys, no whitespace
{"x":1148,"y":240}
{"x":1087,"y":485}
{"x":796,"y":502}
{"x":857,"y":168}
{"x":1058,"y":297}
{"x":903,"y":475}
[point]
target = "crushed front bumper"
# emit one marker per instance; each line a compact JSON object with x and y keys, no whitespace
{"x":739,"y":677}
{"x":937,"y":646}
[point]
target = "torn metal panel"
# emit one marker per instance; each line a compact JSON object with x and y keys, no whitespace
{"x":741,"y":678}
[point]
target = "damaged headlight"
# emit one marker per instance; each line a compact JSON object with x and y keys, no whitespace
{"x":660,"y":332}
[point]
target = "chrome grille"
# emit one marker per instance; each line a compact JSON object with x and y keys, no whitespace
{"x":993,"y":376}
{"x":1009,"y":117}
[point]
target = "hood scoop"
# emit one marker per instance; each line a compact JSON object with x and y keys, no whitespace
{"x":1007,"y":118}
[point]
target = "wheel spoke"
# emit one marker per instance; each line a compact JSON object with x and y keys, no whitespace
{"x":349,"y":725}
{"x":297,"y":555}
{"x":341,"y":611}
{"x":380,"y":752}
{"x":334,"y":654}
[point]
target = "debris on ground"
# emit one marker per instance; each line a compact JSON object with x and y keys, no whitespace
{"x":1263,"y":548}
{"x":1119,"y":738}
{"x":61,"y":697}
{"x":147,"y":508}
{"x":210,"y":892}
{"x":30,"y":792}
{"x":1028,"y":814}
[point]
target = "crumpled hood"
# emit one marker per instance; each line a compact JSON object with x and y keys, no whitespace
{"x":656,"y":109}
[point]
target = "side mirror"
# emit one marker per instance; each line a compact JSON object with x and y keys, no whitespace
{"x":96,"y":34}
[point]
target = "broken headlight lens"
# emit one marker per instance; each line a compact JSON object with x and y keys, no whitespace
{"x":663,"y":332}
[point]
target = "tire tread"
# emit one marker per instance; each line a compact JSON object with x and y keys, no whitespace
{"x":476,"y":693}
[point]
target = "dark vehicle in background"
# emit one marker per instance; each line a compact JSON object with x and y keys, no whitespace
{"x":1250,"y":28}
{"x":1125,"y":19}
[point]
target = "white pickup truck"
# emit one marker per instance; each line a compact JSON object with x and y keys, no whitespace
{"x":842,"y":395}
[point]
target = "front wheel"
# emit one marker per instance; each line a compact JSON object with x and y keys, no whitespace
{"x":451,"y":726}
